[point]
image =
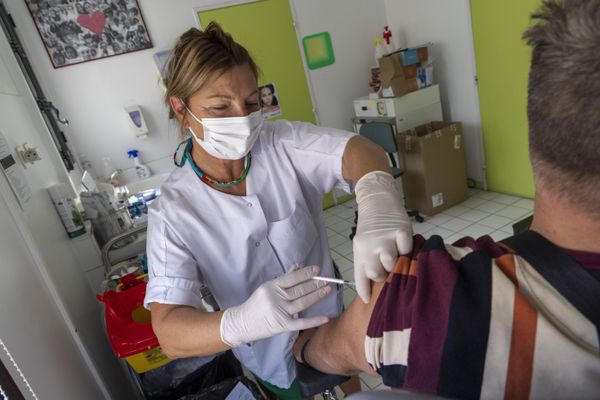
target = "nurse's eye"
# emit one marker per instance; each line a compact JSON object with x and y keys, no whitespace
{"x":218,"y":109}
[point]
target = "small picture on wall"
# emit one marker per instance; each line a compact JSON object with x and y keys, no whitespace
{"x":76,"y":31}
{"x":269,"y":100}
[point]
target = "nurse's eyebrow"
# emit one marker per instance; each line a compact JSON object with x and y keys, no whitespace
{"x":227,"y":97}
{"x":222,"y":96}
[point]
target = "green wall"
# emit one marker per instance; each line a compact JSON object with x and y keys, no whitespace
{"x":266,"y":29}
{"x":502,"y":60}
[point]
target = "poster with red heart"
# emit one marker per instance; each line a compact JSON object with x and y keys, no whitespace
{"x":76,"y":31}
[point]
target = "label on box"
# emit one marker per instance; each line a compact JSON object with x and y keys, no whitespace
{"x":387,"y":92}
{"x":437,"y":199}
{"x":457,"y":139}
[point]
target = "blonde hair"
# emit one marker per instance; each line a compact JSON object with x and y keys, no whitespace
{"x":198,"y":56}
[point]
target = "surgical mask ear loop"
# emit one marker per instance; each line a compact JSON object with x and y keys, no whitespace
{"x":197,"y":120}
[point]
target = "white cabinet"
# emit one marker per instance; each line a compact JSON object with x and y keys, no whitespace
{"x":408,"y":111}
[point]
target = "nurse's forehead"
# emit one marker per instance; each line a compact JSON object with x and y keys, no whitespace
{"x":231,"y":84}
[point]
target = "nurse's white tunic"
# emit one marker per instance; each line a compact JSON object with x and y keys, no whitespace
{"x":232,"y":244}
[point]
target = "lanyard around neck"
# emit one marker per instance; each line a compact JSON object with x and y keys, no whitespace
{"x":187,"y":156}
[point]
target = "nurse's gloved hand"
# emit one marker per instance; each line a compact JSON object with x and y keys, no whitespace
{"x":273,"y":308}
{"x":383,"y":230}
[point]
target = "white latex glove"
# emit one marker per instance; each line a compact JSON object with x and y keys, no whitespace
{"x":273,"y":308}
{"x":383,"y":230}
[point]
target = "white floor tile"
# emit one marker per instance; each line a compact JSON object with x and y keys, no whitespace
{"x":332,"y":219}
{"x":329,"y":211}
{"x":495,"y":221}
{"x":457,"y":210}
{"x":477,"y":230}
{"x":336,"y":239}
{"x":351,"y":203}
{"x":486,"y":195}
{"x":344,"y":249}
{"x":420,"y":228}
{"x":454,"y":238}
{"x":371,"y":381}
{"x":347,"y":296}
{"x":343,"y":228}
{"x":499,"y":235}
{"x":345,"y":265}
{"x":524,"y":203}
{"x":473,"y":202}
{"x":345,"y":213}
{"x":439,"y":219}
{"x":490,"y":207}
{"x":471,"y":215}
{"x":506,"y":199}
{"x":508,"y":228}
{"x":444,"y":233}
{"x":513,"y":212}
{"x":337,"y":256}
{"x":456,"y":224}
{"x":348,"y":274}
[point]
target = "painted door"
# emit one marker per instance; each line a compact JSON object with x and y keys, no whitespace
{"x":502,"y":60}
{"x":266,"y":29}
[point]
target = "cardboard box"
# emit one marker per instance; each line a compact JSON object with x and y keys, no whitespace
{"x":399,"y":71}
{"x":433,"y":159}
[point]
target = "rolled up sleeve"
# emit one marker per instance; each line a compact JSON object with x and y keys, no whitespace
{"x":319,"y":153}
{"x":173,"y":274}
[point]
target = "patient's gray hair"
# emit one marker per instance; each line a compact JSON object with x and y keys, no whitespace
{"x":564,"y":100}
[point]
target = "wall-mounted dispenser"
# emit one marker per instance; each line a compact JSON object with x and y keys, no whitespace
{"x":136,"y":118}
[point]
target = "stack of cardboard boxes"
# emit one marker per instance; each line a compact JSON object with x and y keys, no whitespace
{"x":405,"y":71}
{"x":433,"y":159}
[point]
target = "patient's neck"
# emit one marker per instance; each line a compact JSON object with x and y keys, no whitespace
{"x":564,"y":224}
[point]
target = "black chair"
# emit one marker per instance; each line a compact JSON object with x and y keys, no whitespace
{"x":312,"y":382}
{"x":522,"y":225}
{"x":382,"y":133}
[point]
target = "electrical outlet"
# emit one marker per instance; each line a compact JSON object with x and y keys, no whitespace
{"x":29,"y":155}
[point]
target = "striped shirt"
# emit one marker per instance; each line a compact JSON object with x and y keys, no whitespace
{"x":473,"y":320}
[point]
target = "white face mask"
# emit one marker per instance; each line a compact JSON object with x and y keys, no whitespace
{"x":229,"y":138}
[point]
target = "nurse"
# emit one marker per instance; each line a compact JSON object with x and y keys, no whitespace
{"x":243,"y":216}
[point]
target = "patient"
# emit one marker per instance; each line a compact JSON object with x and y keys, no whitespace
{"x":474,"y":319}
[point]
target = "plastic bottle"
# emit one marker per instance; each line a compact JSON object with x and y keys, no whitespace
{"x":141,"y":170}
{"x":379,"y":52}
{"x":67,"y":211}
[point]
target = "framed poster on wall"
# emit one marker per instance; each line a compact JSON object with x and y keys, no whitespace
{"x":78,"y":31}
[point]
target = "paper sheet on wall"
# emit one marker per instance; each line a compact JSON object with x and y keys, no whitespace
{"x":14,"y":174}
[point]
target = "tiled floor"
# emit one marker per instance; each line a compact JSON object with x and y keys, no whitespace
{"x":484,"y":213}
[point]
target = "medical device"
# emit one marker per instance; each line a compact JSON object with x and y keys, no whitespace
{"x":334,"y":280}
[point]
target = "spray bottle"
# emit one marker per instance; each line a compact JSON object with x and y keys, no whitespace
{"x":379,"y":52}
{"x":141,"y":170}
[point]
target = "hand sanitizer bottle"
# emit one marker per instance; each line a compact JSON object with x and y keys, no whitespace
{"x":141,"y":170}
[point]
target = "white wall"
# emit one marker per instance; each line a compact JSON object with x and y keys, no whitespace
{"x":50,"y":320}
{"x":353,"y":26}
{"x":446,"y":23}
{"x":91,"y":95}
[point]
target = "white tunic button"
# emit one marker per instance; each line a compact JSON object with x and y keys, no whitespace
{"x":257,"y":244}
{"x":249,"y":205}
